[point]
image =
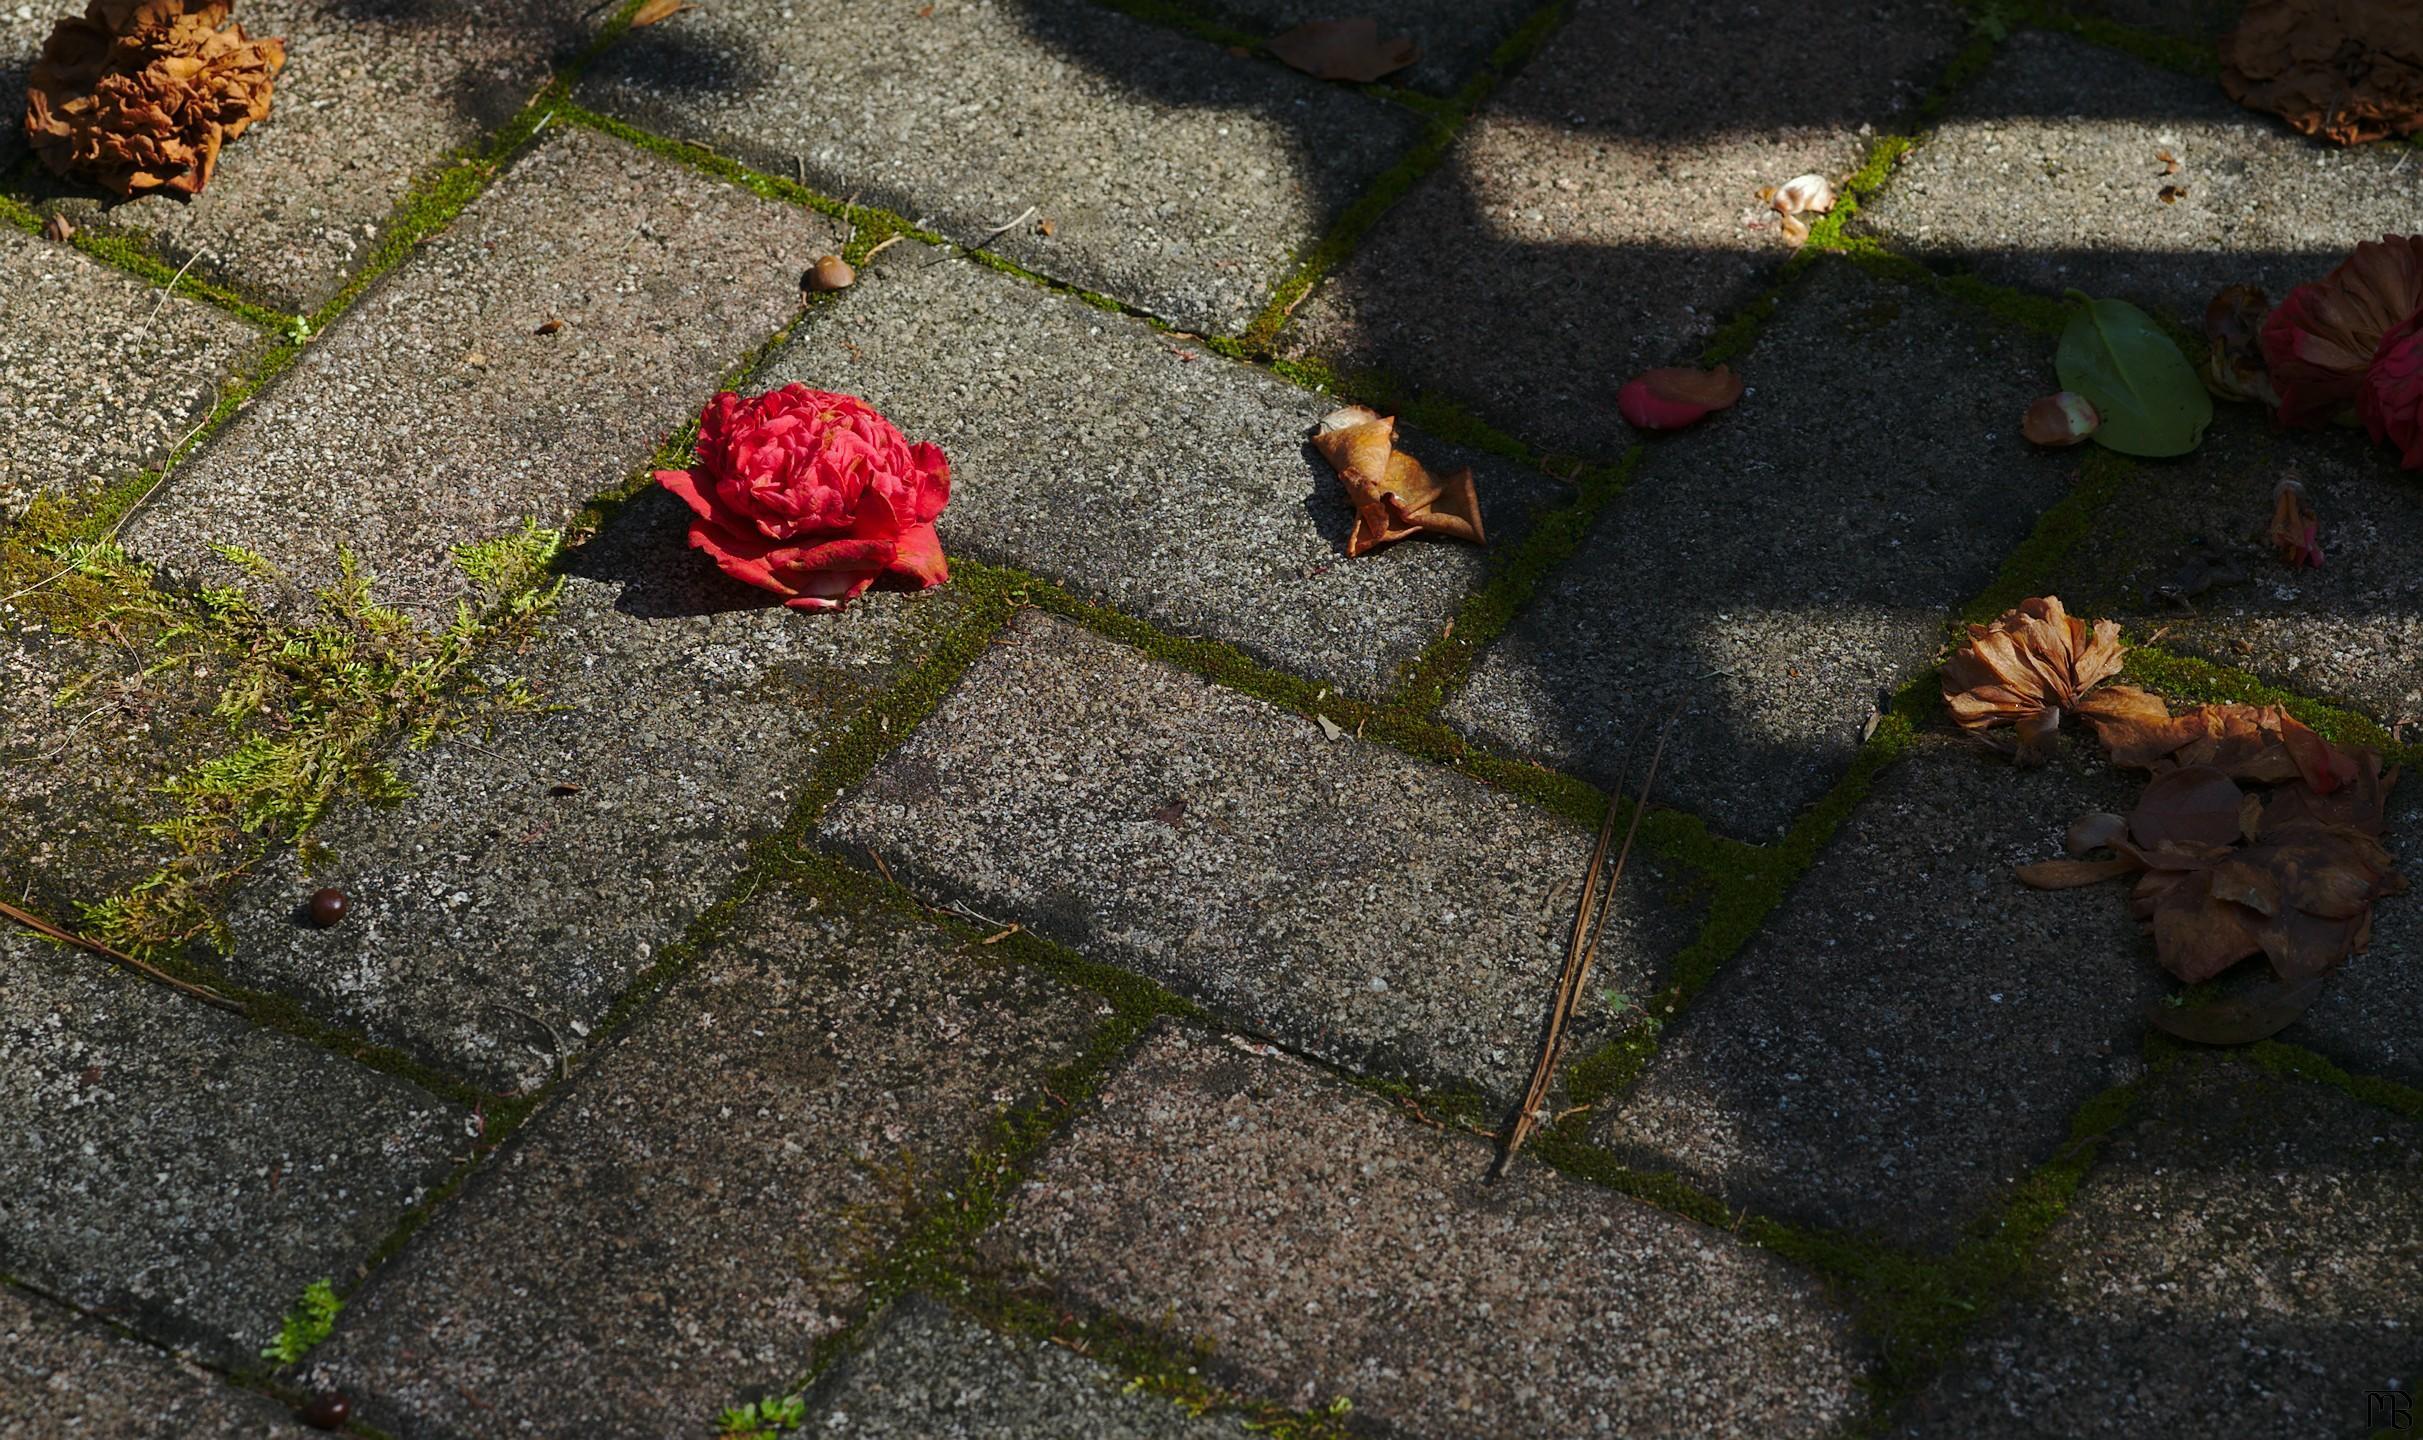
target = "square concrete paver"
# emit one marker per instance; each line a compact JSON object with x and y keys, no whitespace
{"x":434,"y":414}
{"x":677,"y":1232}
{"x":1455,"y":38}
{"x":2241,"y":1262}
{"x":1362,"y":905}
{"x":2348,"y":631}
{"x":65,"y":1378}
{"x":540,"y":866}
{"x":1767,"y":574}
{"x":1144,"y":472}
{"x":1911,"y":1031}
{"x":1177,"y":178}
{"x":374,"y":94}
{"x":174,"y":1168}
{"x":1325,"y":1244}
{"x":1601,"y":216}
{"x":2046,"y":175}
{"x":931,"y":1375}
{"x":99,"y":374}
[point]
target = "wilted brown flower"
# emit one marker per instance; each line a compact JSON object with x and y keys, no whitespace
{"x":2344,"y":70}
{"x":2025,"y":669}
{"x":139,"y":95}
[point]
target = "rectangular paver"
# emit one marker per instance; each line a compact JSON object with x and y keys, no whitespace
{"x":1910,"y":1032}
{"x":373,"y":95}
{"x":1767,"y":574}
{"x":1325,"y":1244}
{"x":1142,"y":471}
{"x":539,"y":868}
{"x":2183,"y":551}
{"x":2047,"y":175}
{"x":65,"y":1378}
{"x":1176,"y":177}
{"x":435,"y":414}
{"x":2239,"y":1263}
{"x":931,"y":1375}
{"x":183,"y":1172}
{"x":1601,"y":215}
{"x":1363,"y":905}
{"x":99,"y":373}
{"x":678,"y":1231}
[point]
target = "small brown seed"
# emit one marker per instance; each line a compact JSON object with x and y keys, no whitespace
{"x":328,"y":906}
{"x":550,"y":325}
{"x":326,"y":1410}
{"x":831,"y":272}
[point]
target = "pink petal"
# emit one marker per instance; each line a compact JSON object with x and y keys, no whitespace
{"x":1674,"y":396}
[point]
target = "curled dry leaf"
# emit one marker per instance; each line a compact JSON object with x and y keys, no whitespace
{"x":58,"y":228}
{"x":1798,"y":196}
{"x":2256,"y":1014}
{"x":2095,"y":830}
{"x":2342,"y":70}
{"x":2024,"y":670}
{"x":1350,"y":49}
{"x":656,"y":10}
{"x":1675,"y":396}
{"x":2233,"y":335}
{"x":139,"y":95}
{"x":1392,"y":495}
{"x":2295,"y":534}
{"x":2061,"y":418}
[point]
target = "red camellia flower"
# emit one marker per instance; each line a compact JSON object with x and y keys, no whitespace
{"x":2391,"y":402}
{"x":814,"y":496}
{"x":2318,"y":343}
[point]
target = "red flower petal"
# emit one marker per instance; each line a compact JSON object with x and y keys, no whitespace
{"x":918,"y":562}
{"x":1675,"y":396}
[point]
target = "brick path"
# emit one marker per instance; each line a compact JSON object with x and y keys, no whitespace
{"x":1012,"y":1011}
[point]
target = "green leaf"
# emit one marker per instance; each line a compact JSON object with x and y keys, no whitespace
{"x":2150,"y":398}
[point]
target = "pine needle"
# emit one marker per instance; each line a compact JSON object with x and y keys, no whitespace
{"x":41,"y":926}
{"x":1589,"y":923}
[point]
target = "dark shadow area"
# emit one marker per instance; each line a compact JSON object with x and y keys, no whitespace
{"x":645,"y":550}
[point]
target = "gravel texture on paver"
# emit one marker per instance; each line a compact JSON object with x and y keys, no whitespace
{"x":2240,"y":1262}
{"x":675,"y":1234}
{"x":928,"y":1374}
{"x":1910,"y":1032}
{"x":374,"y":95}
{"x":1325,"y":1243}
{"x":1454,"y":39}
{"x":1765,"y":576}
{"x":1601,"y":216}
{"x":1362,"y":905}
{"x":543,"y":863}
{"x":183,"y":1172}
{"x":1144,"y":472}
{"x":2348,"y":630}
{"x":1175,"y":177}
{"x":65,"y":1378}
{"x":2367,"y":1017}
{"x":87,"y":738}
{"x":100,"y":375}
{"x":2047,"y":175}
{"x":435,"y":414}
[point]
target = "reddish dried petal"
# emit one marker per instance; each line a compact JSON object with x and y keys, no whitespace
{"x":1675,"y":396}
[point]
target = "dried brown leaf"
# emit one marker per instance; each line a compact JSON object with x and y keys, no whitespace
{"x":2197,"y":805}
{"x":656,"y":10}
{"x":2257,"y":1014}
{"x":2034,"y":659}
{"x":2069,"y":874}
{"x":2233,"y":334}
{"x":1350,"y":49}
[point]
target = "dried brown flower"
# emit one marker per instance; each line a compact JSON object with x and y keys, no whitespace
{"x":138,"y":95}
{"x":2025,"y":669}
{"x":2344,"y":70}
